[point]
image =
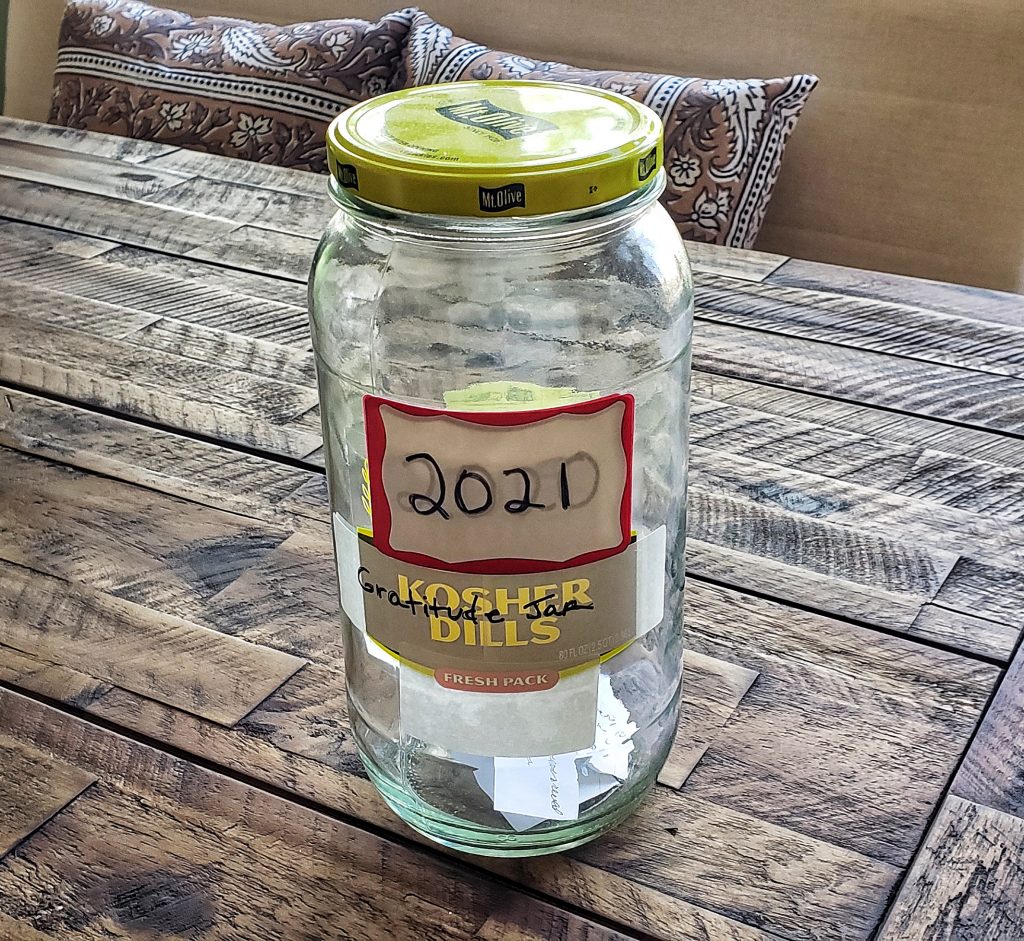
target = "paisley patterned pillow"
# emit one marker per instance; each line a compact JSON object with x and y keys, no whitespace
{"x":251,"y":90}
{"x":723,"y":138}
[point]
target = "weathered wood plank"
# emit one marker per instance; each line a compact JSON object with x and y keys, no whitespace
{"x":168,"y":659}
{"x":33,"y":787}
{"x":83,"y":172}
{"x":255,"y":287}
{"x":887,"y":427}
{"x":989,"y":590}
{"x":159,"y":847}
{"x":712,"y":689}
{"x":194,"y":164}
{"x":993,"y":770}
{"x":113,"y":146}
{"x":978,"y":399}
{"x":861,"y":323}
{"x":229,"y":350}
{"x":160,"y":460}
{"x":734,"y":263}
{"x":968,"y":881}
{"x":762,"y":514}
{"x":965,"y":632}
{"x":23,"y":243}
{"x":959,"y":299}
{"x":135,"y":544}
{"x":833,"y":706}
{"x":786,"y":582}
{"x":986,"y":582}
{"x":287,"y":212}
{"x":279,"y":254}
{"x":108,"y":217}
{"x":140,"y":281}
{"x":918,"y":471}
{"x":56,"y":310}
{"x":174,"y":391}
{"x":54,"y":680}
{"x":239,"y":379}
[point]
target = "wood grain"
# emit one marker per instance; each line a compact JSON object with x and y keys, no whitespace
{"x":886,"y":427}
{"x":790,"y":583}
{"x":993,"y":770}
{"x":236,"y":374}
{"x":966,"y":632}
{"x":252,"y":286}
{"x":108,"y":217}
{"x":958,"y":299}
{"x":279,"y":254}
{"x":977,"y":399}
{"x":968,"y":881}
{"x":33,"y":787}
{"x":89,"y":143}
{"x":173,"y":390}
{"x":832,"y":707}
{"x":53,"y":680}
{"x":160,"y":460}
{"x":290,"y":212}
{"x":288,"y":601}
{"x":135,"y":544}
{"x":160,"y":656}
{"x":252,"y":306}
{"x":231,"y":170}
{"x":866,"y":708}
{"x":738,"y":263}
{"x":712,"y":689}
{"x":916,"y":470}
{"x":761,"y":510}
{"x":861,"y":323}
{"x":84,"y":172}
{"x":162,"y":848}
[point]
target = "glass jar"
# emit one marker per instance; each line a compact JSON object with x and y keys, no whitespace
{"x":501,"y":314}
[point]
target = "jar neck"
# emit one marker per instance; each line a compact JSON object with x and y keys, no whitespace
{"x":592,"y":222}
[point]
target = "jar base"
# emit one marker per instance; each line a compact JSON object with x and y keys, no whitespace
{"x":481,"y":841}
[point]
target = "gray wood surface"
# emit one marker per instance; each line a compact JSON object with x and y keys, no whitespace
{"x":966,"y":884}
{"x":856,"y":541}
{"x":160,"y":848}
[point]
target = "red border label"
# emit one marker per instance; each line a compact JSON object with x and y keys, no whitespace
{"x":376,"y":443}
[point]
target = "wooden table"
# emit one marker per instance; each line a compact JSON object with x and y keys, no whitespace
{"x":175,"y":760}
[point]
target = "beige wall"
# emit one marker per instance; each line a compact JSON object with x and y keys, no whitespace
{"x":907,"y":159}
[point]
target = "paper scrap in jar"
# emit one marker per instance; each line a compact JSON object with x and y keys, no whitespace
{"x":547,"y":787}
{"x":523,"y":782}
{"x":613,"y":742}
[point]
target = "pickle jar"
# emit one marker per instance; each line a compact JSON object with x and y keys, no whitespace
{"x":501,"y":314}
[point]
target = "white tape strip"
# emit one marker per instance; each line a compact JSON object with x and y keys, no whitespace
{"x":650,"y":580}
{"x":346,"y":546}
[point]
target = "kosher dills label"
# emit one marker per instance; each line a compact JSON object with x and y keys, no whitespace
{"x":501,"y":554}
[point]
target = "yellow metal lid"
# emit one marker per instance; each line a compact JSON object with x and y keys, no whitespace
{"x":495,"y":148}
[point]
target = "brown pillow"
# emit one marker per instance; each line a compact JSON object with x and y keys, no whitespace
{"x":224,"y":86}
{"x":723,"y":137}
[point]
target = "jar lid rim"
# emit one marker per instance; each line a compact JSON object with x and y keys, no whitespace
{"x":495,"y":148}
